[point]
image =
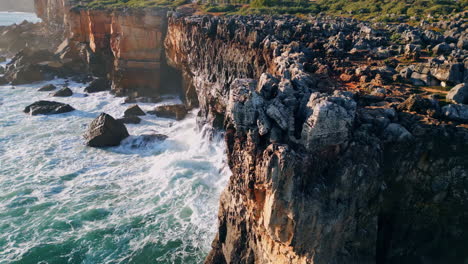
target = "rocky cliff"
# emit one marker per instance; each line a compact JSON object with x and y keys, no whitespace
{"x":126,"y":46}
{"x":334,"y":158}
{"x":320,"y":174}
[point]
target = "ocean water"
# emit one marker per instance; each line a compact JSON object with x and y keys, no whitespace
{"x":63,"y":202}
{"x":9,"y":18}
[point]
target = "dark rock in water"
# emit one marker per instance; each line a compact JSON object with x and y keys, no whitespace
{"x":2,"y":70}
{"x":459,"y":94}
{"x":47,"y":88}
{"x":3,"y":81}
{"x":415,"y":103}
{"x":177,"y":112}
{"x":64,"y":92}
{"x":134,"y":110}
{"x":47,"y":108}
{"x":144,"y":140}
{"x":154,"y":99}
{"x":130,"y":120}
{"x":98,"y":85}
{"x":105,"y":131}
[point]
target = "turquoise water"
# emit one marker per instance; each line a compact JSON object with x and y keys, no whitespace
{"x":9,"y":18}
{"x":63,"y":202}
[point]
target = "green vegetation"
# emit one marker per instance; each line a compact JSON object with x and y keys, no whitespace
{"x":380,"y":10}
{"x":119,"y":4}
{"x":392,"y":10}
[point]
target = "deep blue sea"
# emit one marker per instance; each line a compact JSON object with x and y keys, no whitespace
{"x":63,"y":202}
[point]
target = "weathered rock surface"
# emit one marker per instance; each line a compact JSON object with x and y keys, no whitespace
{"x":105,"y":131}
{"x":319,"y":176}
{"x":47,"y":108}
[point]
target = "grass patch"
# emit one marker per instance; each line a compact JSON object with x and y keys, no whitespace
{"x":379,"y":10}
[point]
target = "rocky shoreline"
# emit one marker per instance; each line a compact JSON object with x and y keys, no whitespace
{"x":347,"y":141}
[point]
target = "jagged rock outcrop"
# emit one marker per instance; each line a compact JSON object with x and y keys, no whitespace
{"x":319,"y":176}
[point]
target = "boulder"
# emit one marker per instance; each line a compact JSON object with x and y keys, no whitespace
{"x":415,"y":103}
{"x":134,"y":110}
{"x":47,"y":88}
{"x":47,"y":108}
{"x":105,"y":131}
{"x":328,"y":122}
{"x":442,"y":49}
{"x":459,"y":94}
{"x":130,"y":120}
{"x":177,"y":111}
{"x":396,"y":133}
{"x":456,"y":112}
{"x":64,"y":92}
{"x":98,"y":85}
{"x":463,"y":42}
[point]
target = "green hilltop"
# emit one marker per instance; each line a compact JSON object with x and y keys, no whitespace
{"x":381,"y":10}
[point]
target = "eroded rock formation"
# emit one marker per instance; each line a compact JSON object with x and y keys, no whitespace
{"x":319,"y":175}
{"x":331,"y":163}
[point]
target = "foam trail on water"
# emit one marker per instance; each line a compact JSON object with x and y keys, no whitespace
{"x":63,"y":202}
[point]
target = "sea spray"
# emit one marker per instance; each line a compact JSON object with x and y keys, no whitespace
{"x":63,"y":202}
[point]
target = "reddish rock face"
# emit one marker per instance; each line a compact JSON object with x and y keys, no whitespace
{"x":127,"y":46}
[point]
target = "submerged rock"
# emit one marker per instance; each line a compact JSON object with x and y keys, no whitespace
{"x":47,"y":88}
{"x":177,"y":111}
{"x":144,"y":140}
{"x":105,"y":131}
{"x":47,"y":108}
{"x":64,"y":92}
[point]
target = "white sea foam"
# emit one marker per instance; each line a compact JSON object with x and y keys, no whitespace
{"x":61,"y":201}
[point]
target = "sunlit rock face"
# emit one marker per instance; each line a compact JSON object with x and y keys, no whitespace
{"x":319,"y":175}
{"x":127,"y":46}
